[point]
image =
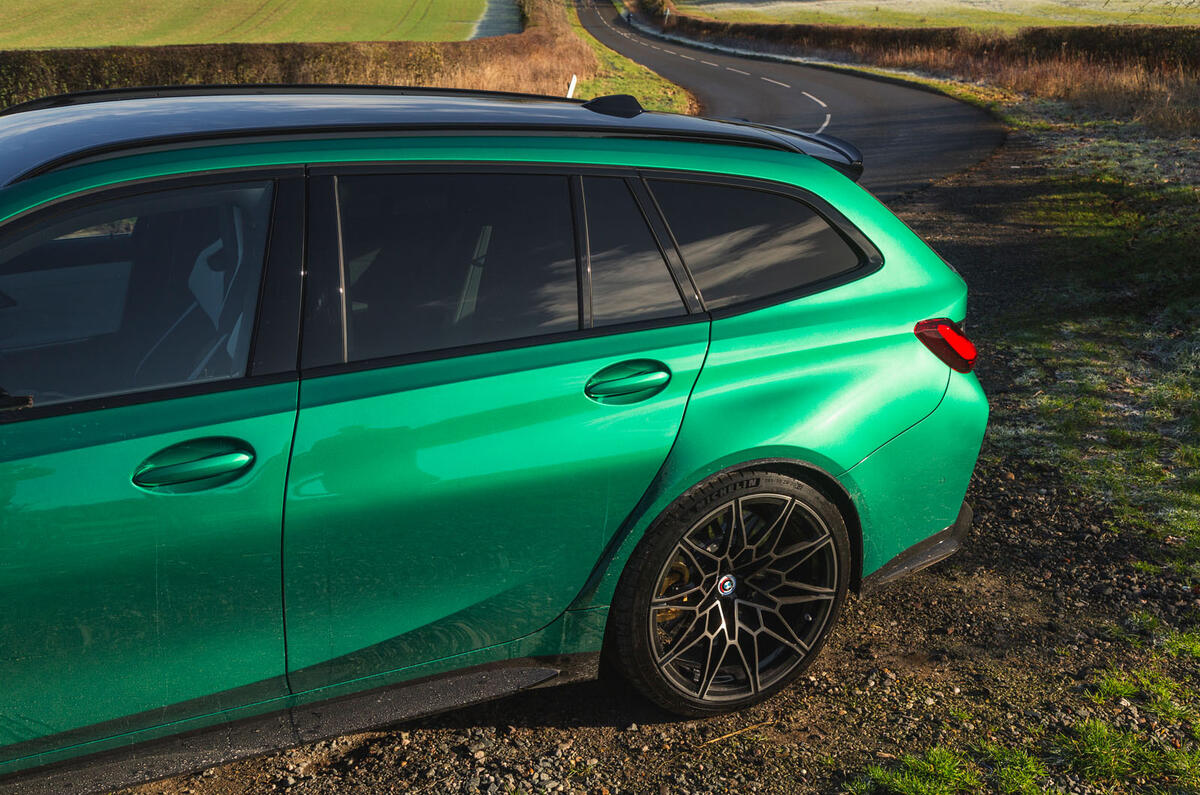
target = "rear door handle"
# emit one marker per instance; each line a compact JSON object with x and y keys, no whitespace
{"x":195,"y":465}
{"x":628,"y":382}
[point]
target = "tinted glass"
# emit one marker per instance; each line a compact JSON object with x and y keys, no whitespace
{"x":630,"y":280}
{"x":134,"y":294}
{"x":442,"y":260}
{"x":742,"y":244}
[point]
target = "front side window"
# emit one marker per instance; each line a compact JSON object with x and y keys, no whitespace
{"x":133,"y":294}
{"x":741,"y":244}
{"x":433,"y":261}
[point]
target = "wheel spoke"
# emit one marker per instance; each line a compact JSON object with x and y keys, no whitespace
{"x":688,"y":637}
{"x":782,"y":631}
{"x":749,"y":657}
{"x":805,"y":550}
{"x":718,"y":648}
{"x":769,"y":540}
{"x":678,"y":600}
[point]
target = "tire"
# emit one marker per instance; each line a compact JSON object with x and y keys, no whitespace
{"x":780,"y":586}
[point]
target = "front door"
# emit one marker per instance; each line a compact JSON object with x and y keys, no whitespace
{"x":142,"y":460}
{"x":465,"y":451}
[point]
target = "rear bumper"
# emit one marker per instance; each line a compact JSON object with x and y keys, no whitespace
{"x":937,"y":547}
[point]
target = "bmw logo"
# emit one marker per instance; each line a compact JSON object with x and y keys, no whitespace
{"x":726,"y":585}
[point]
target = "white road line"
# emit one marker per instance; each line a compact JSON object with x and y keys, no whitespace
{"x":739,"y":71}
{"x":825,"y":123}
{"x":655,"y":47}
{"x":668,"y":52}
{"x":776,"y":82}
{"x":814,"y":99}
{"x":710,"y":63}
{"x":690,"y":58}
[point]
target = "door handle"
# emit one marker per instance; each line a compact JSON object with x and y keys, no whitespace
{"x":628,"y":382}
{"x":195,"y":465}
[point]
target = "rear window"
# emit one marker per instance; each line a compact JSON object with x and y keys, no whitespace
{"x":630,"y":279}
{"x":742,"y":244}
{"x":437,"y":261}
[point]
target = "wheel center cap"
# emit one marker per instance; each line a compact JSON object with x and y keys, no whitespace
{"x":726,"y":585}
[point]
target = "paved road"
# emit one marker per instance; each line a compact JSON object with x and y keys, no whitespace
{"x":908,"y":137}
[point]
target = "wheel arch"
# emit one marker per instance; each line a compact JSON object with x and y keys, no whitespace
{"x":659,"y":497}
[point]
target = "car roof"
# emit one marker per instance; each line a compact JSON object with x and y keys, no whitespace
{"x":47,"y":134}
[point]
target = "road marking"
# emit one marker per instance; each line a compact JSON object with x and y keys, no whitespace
{"x":814,"y":99}
{"x":655,"y":47}
{"x":776,"y":82}
{"x":739,"y":71}
{"x":710,"y":63}
{"x":824,"y":124}
{"x":690,"y":58}
{"x":668,"y":52}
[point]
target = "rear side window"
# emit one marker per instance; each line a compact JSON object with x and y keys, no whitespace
{"x":435,"y":261}
{"x":630,"y":279}
{"x":741,"y":244}
{"x":133,"y":294}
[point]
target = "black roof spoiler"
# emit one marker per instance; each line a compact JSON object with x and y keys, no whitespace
{"x":829,"y":149}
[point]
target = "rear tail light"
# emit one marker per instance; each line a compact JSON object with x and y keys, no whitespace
{"x":945,"y":338}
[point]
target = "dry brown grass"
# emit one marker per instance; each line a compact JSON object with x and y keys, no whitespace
{"x":1145,"y":72}
{"x":539,"y":60}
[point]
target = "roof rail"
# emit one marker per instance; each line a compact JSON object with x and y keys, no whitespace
{"x":259,"y":89}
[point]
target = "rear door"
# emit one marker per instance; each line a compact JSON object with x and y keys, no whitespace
{"x":141,"y":492}
{"x":485,"y":398}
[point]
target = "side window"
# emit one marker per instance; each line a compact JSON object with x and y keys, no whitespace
{"x":741,"y":244}
{"x":436,"y":261}
{"x":630,"y":280}
{"x":133,"y":294}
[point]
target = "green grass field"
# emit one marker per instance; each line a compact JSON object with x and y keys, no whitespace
{"x":94,"y":23}
{"x":1003,"y":14}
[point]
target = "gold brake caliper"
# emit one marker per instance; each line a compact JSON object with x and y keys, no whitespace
{"x":679,"y":572}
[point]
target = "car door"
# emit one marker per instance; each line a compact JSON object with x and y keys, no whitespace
{"x":144,"y":438}
{"x":475,"y":420}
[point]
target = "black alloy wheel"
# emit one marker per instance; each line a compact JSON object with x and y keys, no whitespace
{"x":731,"y":594}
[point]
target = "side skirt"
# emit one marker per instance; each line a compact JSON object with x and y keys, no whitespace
{"x":299,"y":724}
{"x":937,"y":547}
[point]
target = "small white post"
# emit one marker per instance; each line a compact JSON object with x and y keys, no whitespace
{"x":571,"y":88}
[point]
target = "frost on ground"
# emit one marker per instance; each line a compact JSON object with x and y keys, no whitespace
{"x":951,"y":12}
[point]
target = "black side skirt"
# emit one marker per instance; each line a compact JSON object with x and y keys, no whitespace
{"x":202,"y":748}
{"x":936,"y":548}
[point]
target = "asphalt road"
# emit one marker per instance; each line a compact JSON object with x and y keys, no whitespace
{"x":908,"y":137}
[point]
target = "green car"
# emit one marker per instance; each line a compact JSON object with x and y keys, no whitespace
{"x":325,"y":408}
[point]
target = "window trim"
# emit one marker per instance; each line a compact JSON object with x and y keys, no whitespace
{"x":277,"y":282}
{"x":870,"y":257}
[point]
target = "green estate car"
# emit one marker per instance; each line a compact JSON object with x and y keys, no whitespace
{"x":324,"y":408}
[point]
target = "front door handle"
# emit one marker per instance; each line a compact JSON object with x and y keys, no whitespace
{"x":628,"y":382}
{"x":195,"y":465}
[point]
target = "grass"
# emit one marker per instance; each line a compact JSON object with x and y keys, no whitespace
{"x":617,"y":74}
{"x":100,"y":23}
{"x":1003,"y":14}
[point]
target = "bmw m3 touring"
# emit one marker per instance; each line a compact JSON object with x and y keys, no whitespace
{"x":322,"y":408}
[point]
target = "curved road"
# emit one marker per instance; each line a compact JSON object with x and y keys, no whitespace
{"x":908,"y":137}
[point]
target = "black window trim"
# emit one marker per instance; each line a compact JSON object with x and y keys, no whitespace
{"x":870,"y":257}
{"x":323,"y":177}
{"x":269,"y":297}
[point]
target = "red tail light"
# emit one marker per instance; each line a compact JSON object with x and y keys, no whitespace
{"x":947,"y":341}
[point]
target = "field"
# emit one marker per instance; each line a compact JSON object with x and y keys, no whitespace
{"x":1003,"y":14}
{"x":99,"y":23}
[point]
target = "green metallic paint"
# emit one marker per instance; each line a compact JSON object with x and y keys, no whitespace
{"x":118,"y":601}
{"x":439,"y":507}
{"x":913,"y":486}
